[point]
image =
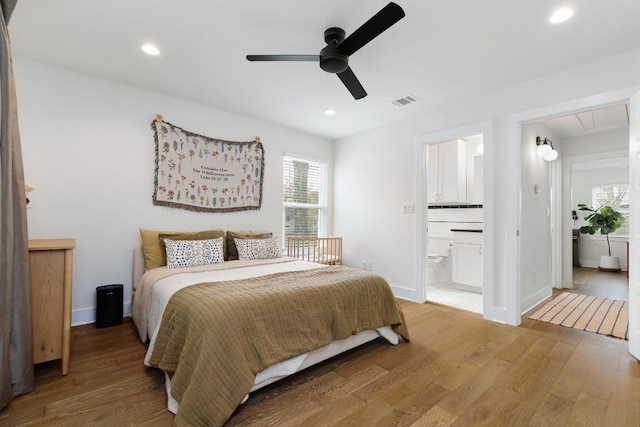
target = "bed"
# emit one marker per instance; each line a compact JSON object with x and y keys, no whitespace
{"x":222,"y":330}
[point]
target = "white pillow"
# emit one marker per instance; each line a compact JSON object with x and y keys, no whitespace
{"x":190,"y":253}
{"x":258,"y":248}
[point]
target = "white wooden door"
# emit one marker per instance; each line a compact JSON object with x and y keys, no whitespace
{"x":634,"y":234}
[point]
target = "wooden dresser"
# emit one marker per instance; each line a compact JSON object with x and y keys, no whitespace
{"x":51,"y":268}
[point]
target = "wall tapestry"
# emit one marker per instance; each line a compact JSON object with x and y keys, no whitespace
{"x":199,"y":173}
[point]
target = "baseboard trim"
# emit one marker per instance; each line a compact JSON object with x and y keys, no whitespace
{"x":86,"y":316}
{"x":404,"y":293}
{"x":534,"y":300}
{"x":596,"y":264}
{"x":610,"y":270}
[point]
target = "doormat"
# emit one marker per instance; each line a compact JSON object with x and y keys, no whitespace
{"x":588,"y":313}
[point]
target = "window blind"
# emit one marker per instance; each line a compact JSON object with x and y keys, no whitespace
{"x":304,"y":197}
{"x":616,"y":196}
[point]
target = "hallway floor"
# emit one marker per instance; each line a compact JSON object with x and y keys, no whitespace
{"x":591,"y":281}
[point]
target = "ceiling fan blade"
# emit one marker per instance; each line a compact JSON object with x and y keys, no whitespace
{"x":351,"y":82}
{"x":283,"y":57}
{"x":380,"y":22}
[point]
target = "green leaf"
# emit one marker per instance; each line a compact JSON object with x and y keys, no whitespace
{"x":604,"y":219}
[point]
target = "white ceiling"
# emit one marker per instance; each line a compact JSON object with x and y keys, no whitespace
{"x":608,"y":119}
{"x":441,"y":52}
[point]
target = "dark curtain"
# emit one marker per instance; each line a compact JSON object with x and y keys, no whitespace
{"x":16,"y":360}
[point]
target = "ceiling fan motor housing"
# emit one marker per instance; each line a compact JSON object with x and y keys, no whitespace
{"x":332,"y":60}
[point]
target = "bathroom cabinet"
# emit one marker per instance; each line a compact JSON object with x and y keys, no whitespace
{"x":446,"y":172}
{"x":467,"y":260}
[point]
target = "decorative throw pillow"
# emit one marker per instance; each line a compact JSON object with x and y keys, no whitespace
{"x":258,"y":248}
{"x":190,"y":253}
{"x":232,"y":251}
{"x":153,"y":246}
{"x":190,"y":235}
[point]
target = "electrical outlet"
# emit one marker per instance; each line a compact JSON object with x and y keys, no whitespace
{"x":366,"y":265}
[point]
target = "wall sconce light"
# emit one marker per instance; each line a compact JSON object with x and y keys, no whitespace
{"x":545,"y":149}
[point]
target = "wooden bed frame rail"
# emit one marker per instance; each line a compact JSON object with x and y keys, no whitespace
{"x":322,"y":250}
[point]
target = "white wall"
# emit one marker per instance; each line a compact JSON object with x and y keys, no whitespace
{"x":67,"y":118}
{"x":376,"y":175}
{"x":88,"y":148}
{"x":596,"y":143}
{"x":536,"y":228}
{"x":375,"y":178}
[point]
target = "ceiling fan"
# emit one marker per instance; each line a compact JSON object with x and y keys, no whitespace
{"x":334,"y":57}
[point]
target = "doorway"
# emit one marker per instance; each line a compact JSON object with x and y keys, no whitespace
{"x":513,"y":244}
{"x":456,"y":213}
{"x":595,"y":159}
{"x":455,"y":222}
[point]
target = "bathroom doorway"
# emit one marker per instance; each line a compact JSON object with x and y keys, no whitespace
{"x":453,"y":223}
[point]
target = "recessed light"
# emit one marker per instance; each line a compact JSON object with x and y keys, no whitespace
{"x":150,"y":49}
{"x":561,"y":15}
{"x":330,"y":112}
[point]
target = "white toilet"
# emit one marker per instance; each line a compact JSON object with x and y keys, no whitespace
{"x":439,"y":249}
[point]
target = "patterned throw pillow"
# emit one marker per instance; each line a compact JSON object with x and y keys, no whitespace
{"x":190,"y":253}
{"x":258,"y":248}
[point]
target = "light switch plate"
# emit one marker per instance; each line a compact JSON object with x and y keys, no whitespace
{"x":409,"y":208}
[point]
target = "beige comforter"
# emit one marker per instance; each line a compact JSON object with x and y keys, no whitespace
{"x":215,"y":337}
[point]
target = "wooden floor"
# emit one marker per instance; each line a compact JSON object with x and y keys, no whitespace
{"x":458,"y":370}
{"x":591,"y":281}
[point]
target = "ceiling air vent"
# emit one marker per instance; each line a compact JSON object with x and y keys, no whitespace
{"x":401,"y":102}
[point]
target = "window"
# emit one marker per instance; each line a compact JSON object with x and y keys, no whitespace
{"x":616,"y":196}
{"x":304,"y":197}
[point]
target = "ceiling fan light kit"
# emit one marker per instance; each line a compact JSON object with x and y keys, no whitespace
{"x":334,"y":57}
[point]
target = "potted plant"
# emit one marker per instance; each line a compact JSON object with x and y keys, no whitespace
{"x":606,"y":220}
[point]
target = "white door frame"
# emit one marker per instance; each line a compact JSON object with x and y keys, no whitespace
{"x":486,"y":129}
{"x":514,"y":128}
{"x":634,"y":232}
{"x":557,"y":216}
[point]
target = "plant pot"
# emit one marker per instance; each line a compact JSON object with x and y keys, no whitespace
{"x":609,"y":263}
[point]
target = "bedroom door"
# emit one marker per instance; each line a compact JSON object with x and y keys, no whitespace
{"x":634,"y":234}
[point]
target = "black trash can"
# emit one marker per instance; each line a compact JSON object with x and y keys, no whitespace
{"x":108,"y":305}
